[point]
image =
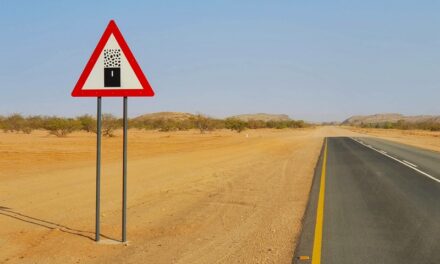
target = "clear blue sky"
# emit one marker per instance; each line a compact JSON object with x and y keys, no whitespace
{"x":312,"y":60}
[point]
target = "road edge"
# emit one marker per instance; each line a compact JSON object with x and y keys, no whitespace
{"x":304,"y":240}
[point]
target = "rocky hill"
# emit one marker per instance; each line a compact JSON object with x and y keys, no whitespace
{"x":164,"y":115}
{"x":262,"y":117}
{"x":392,"y":118}
{"x":179,"y":116}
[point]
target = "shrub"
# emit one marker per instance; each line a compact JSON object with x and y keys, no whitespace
{"x":166,"y":125}
{"x":36,"y":122}
{"x":255,"y":124}
{"x":13,"y":123}
{"x":109,"y":124}
{"x":404,"y":125}
{"x":88,"y":123}
{"x":235,"y":124}
{"x":204,"y":123}
{"x":26,"y":129}
{"x":61,"y":127}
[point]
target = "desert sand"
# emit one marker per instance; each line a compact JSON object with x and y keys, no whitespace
{"x":219,"y":197}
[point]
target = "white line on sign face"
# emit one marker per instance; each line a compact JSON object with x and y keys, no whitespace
{"x":400,"y":161}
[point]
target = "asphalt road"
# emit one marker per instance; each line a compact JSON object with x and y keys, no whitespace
{"x":372,"y":201}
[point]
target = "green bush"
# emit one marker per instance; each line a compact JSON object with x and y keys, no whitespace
{"x":404,"y":125}
{"x":61,"y":127}
{"x":235,"y":124}
{"x":204,"y":123}
{"x":13,"y":123}
{"x":88,"y":123}
{"x":256,"y":124}
{"x":109,"y":124}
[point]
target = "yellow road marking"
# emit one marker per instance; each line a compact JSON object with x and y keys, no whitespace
{"x":317,"y":243}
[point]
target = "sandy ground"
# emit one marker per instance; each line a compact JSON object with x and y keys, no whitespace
{"x":220,"y":197}
{"x":419,"y":138}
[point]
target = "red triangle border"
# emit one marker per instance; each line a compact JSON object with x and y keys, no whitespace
{"x":146,"y":90}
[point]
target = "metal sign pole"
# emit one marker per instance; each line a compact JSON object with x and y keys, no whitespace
{"x":124,"y":175}
{"x":98,"y":168}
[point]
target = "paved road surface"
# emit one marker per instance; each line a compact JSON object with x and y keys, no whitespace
{"x":380,"y":204}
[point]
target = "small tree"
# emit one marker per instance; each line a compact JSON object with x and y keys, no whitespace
{"x":88,"y":123}
{"x":386,"y":125}
{"x":61,"y":127}
{"x":235,"y":124}
{"x":14,"y":123}
{"x":401,"y":124}
{"x":35,"y":122}
{"x":109,"y":124}
{"x":168,"y":125}
{"x":255,"y":124}
{"x":204,"y":123}
{"x":2,"y":123}
{"x":27,"y":129}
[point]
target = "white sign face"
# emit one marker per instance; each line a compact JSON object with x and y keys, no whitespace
{"x":112,"y":70}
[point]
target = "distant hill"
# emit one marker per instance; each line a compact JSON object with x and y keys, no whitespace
{"x":179,"y":116}
{"x":164,"y":115}
{"x":262,"y":117}
{"x":391,"y":117}
{"x":330,"y":123}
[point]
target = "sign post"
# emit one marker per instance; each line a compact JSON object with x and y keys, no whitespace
{"x":98,"y":167}
{"x":112,"y":71}
{"x":124,"y":175}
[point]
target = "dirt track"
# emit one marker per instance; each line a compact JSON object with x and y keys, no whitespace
{"x":221,"y":197}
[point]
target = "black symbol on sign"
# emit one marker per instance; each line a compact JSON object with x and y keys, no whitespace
{"x":112,"y":68}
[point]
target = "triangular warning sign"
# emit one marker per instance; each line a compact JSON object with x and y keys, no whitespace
{"x":112,"y":69}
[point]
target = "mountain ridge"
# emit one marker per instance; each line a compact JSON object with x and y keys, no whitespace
{"x":184,"y":116}
{"x":262,"y":117}
{"x":389,"y":117}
